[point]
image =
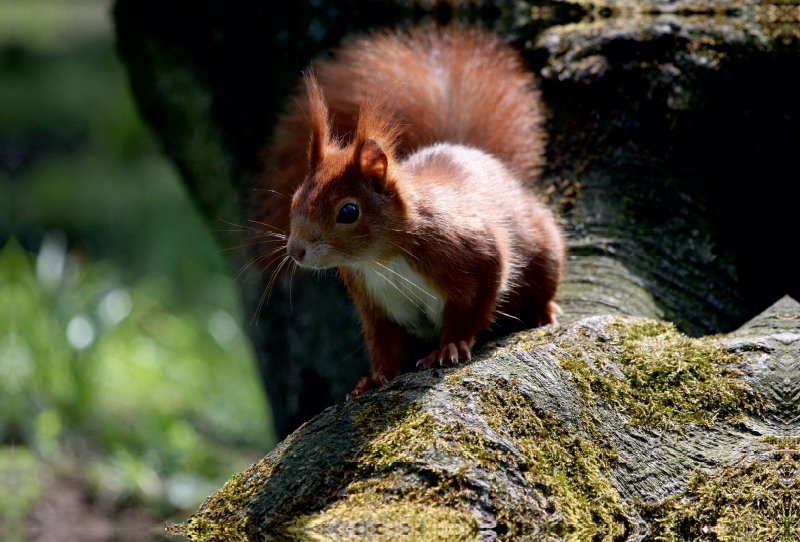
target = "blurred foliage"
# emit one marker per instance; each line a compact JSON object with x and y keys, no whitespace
{"x":79,"y":159}
{"x":122,"y":356}
{"x":53,"y":24}
{"x":152,"y":404}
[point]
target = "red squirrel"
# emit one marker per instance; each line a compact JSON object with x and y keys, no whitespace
{"x":415,"y":185}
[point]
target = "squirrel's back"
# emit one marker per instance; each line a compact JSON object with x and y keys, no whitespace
{"x":443,"y":85}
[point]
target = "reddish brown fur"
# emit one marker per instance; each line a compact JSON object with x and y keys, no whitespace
{"x":462,"y":86}
{"x":457,"y":217}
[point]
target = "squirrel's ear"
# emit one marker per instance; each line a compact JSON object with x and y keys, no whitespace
{"x":318,"y":118}
{"x":373,"y":163}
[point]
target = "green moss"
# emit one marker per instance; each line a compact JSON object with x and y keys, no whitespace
{"x":364,"y":495}
{"x":400,"y":443}
{"x":524,"y":340}
{"x":410,"y":472}
{"x":668,"y":379}
{"x":385,"y":522}
{"x":568,"y":470}
{"x":388,"y":492}
{"x":213,"y":520}
{"x":757,"y":501}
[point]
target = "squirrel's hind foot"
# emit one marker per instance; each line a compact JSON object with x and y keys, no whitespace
{"x":449,"y":353}
{"x":365,"y":384}
{"x":550,"y":315}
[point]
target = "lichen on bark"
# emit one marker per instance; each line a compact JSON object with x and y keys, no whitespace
{"x":608,"y":428}
{"x":757,"y":500}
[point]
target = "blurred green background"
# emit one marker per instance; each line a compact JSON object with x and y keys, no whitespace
{"x":128,"y":389}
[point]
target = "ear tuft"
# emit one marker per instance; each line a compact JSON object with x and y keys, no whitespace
{"x":375,"y":139}
{"x":373,"y":162}
{"x":318,"y":119}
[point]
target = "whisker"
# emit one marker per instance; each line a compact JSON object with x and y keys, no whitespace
{"x":400,"y":290}
{"x":409,"y":232}
{"x":394,"y":286}
{"x":275,"y":250}
{"x":341,"y":252}
{"x":291,"y":277}
{"x":362,"y":347}
{"x":272,"y":253}
{"x":254,"y":319}
{"x":243,"y":269}
{"x":275,"y":192}
{"x":405,"y":279}
{"x":250,"y":245}
{"x":253,"y":261}
{"x":509,"y":315}
{"x":257,"y":234}
{"x":404,"y":250}
{"x":274,"y":240}
{"x":274,"y":276}
{"x":268,"y":289}
{"x":243,"y":228}
{"x":278,"y":171}
{"x":267,"y":225}
{"x":258,"y":259}
{"x":262,"y":233}
{"x":257,"y":231}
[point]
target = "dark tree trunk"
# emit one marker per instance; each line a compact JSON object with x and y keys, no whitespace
{"x":673,"y":132}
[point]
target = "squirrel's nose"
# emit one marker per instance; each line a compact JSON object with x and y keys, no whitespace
{"x":296,"y":251}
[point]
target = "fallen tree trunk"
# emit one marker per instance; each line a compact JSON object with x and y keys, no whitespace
{"x":605,"y":429}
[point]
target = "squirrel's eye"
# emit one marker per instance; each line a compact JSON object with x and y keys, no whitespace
{"x":347,"y":214}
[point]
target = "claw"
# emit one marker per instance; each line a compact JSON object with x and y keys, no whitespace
{"x":463,"y":350}
{"x":429,"y":361}
{"x":448,"y":354}
{"x":353,"y":394}
{"x":365,"y":384}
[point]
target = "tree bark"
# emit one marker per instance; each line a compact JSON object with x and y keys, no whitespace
{"x":654,"y":121}
{"x":663,"y":155}
{"x":672,"y":127}
{"x":609,"y":428}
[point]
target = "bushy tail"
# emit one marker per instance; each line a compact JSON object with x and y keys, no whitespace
{"x":462,"y":86}
{"x":457,"y":85}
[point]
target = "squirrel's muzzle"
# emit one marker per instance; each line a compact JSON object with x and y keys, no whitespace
{"x":296,"y":250}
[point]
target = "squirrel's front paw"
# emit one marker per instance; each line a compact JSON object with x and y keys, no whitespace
{"x":365,"y":384}
{"x":449,"y":353}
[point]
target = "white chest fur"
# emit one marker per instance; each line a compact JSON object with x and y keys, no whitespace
{"x":407,"y":298}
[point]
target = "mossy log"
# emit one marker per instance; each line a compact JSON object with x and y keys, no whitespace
{"x":608,"y":428}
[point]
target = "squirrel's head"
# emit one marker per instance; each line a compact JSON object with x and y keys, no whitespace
{"x":344,"y":211}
